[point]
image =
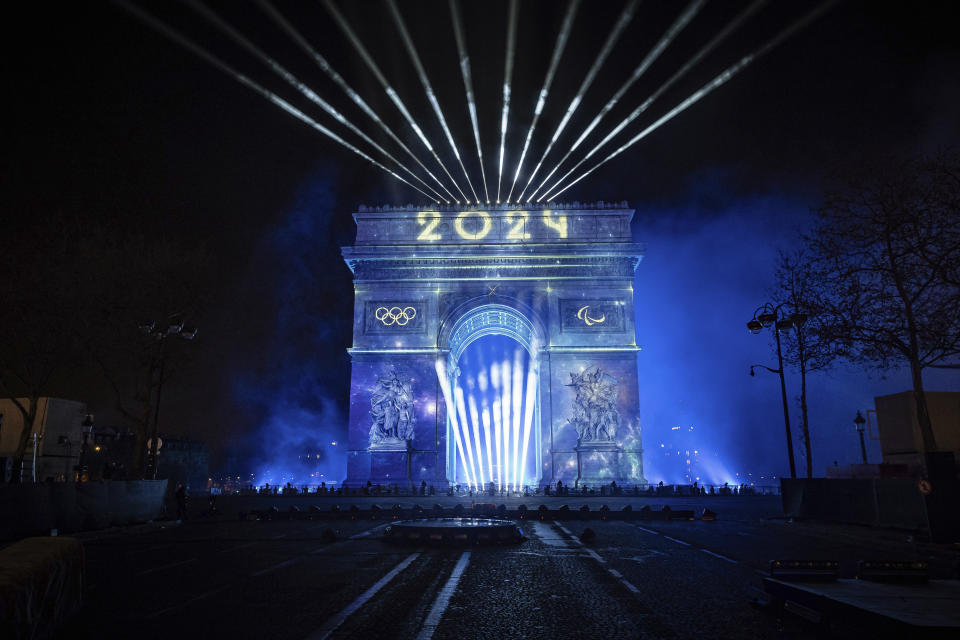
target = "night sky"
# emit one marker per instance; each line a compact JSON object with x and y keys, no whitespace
{"x":108,"y":120}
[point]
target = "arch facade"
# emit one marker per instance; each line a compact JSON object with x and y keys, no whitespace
{"x":429,"y":282}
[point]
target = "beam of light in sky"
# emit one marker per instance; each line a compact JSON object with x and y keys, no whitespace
{"x":529,"y":401}
{"x":462,"y":412}
{"x":507,"y":73}
{"x":391,"y":93}
{"x":517,"y":414}
{"x":468,"y":86}
{"x":497,"y":423}
{"x":477,"y":439}
{"x":727,"y":30}
{"x":209,"y":58}
{"x":505,"y":401}
{"x":485,"y":414}
{"x":497,"y":430}
{"x":431,"y":96}
{"x":452,"y":415}
{"x":321,"y":62}
{"x":719,"y":80}
{"x":704,"y":51}
{"x":558,"y":48}
{"x":678,"y":25}
{"x":293,"y":81}
{"x":625,"y":16}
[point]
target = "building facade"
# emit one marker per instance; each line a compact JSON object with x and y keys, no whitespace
{"x":558,"y":282}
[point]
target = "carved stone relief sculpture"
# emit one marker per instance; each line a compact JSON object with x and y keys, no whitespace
{"x":391,"y":407}
{"x":595,"y":414}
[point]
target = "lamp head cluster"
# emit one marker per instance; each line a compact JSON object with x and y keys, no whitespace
{"x":767,"y":316}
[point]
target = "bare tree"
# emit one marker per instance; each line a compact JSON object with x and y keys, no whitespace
{"x":141,"y":280}
{"x":888,"y":244}
{"x":811,"y":344}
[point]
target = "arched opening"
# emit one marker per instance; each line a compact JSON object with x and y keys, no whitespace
{"x":490,"y":382}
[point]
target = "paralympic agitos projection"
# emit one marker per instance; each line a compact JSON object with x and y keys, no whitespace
{"x":494,"y":346}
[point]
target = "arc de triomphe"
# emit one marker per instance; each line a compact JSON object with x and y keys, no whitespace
{"x":428,"y":283}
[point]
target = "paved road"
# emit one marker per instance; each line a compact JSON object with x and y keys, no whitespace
{"x":279,"y":579}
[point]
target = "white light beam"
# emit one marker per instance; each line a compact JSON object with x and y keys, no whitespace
{"x":212,"y":60}
{"x":293,"y":81}
{"x":431,"y":96}
{"x":507,"y":73}
{"x":452,"y":415}
{"x":719,"y":80}
{"x":505,"y":401}
{"x":325,"y":66}
{"x":477,"y":438}
{"x":703,"y":52}
{"x":485,"y":415}
{"x":529,"y":401}
{"x":517,"y":414}
{"x":625,"y":16}
{"x":468,"y":86}
{"x":558,"y":48}
{"x":461,"y":411}
{"x":391,"y":93}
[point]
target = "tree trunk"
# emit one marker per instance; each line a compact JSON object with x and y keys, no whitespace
{"x":923,"y":413}
{"x":805,"y":425}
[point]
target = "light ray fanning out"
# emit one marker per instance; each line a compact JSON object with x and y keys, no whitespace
{"x":325,"y":66}
{"x":477,"y":438}
{"x":292,"y":80}
{"x":516,"y":415}
{"x":462,"y":412}
{"x":468,"y":86}
{"x":505,"y":403}
{"x":452,"y":414}
{"x":719,"y":80}
{"x":529,"y":400}
{"x":625,"y":16}
{"x":507,"y":74}
{"x":209,"y":58}
{"x":391,"y":93}
{"x":702,"y":53}
{"x":485,"y":415}
{"x":431,"y":96}
{"x":558,"y":48}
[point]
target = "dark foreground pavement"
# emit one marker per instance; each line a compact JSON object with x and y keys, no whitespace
{"x":210,"y":578}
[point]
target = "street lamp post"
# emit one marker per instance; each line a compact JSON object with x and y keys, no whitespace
{"x":860,"y":421}
{"x":768,"y":315}
{"x":175,"y":328}
{"x":86,"y":431}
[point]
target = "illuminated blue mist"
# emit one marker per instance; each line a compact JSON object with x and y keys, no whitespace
{"x":708,"y":265}
{"x":291,"y":396}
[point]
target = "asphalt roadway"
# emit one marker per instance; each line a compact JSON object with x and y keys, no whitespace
{"x":219,"y":577}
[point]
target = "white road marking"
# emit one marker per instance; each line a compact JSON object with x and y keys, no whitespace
{"x":166,"y":566}
{"x":279,"y":565}
{"x":717,"y":555}
{"x":443,"y":598}
{"x":595,"y":555}
{"x":331,"y":626}
{"x":619,"y":576}
{"x":686,"y":544}
{"x":183,"y":604}
{"x":364,"y":534}
{"x":242,"y":546}
{"x":547,"y":535}
{"x":656,"y":533}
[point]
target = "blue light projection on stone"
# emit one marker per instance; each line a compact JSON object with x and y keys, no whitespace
{"x":428,"y":383}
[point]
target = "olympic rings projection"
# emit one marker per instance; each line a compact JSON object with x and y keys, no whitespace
{"x":395,"y":315}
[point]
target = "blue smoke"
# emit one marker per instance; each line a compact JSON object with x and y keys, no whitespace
{"x":709,"y":264}
{"x":300,"y":432}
